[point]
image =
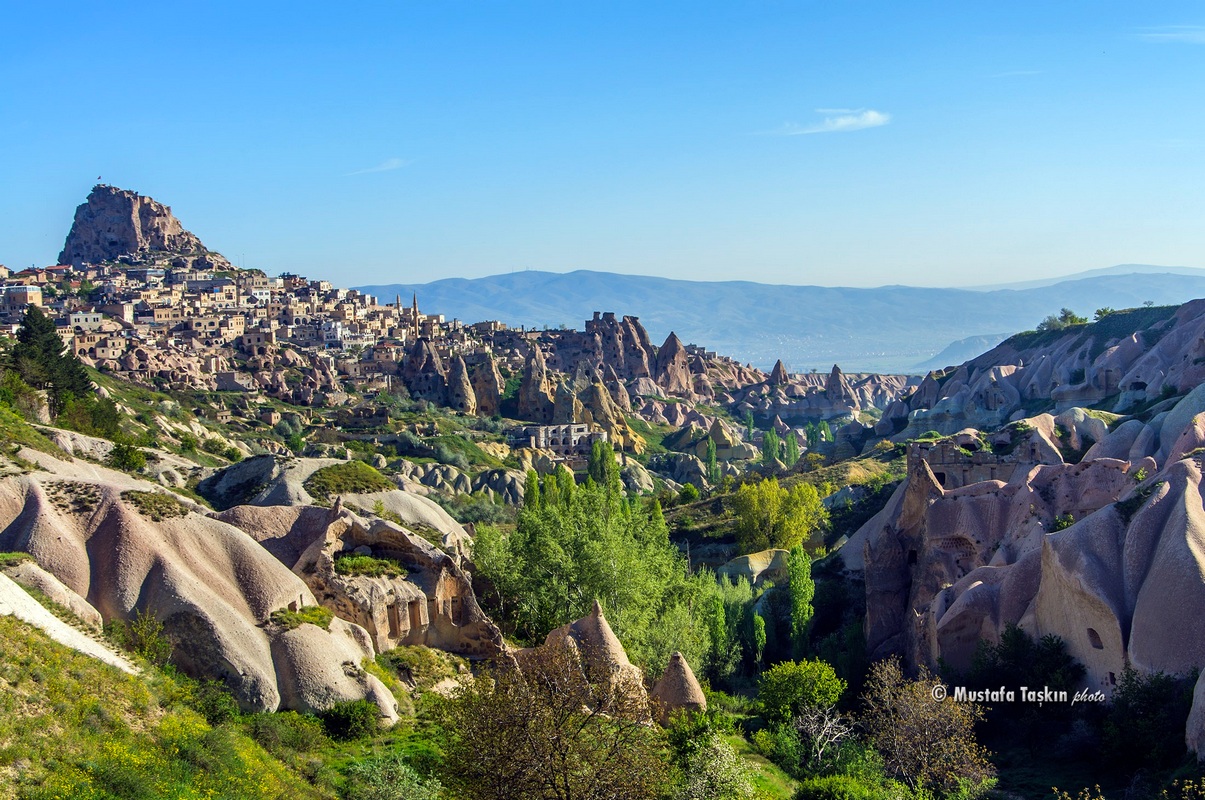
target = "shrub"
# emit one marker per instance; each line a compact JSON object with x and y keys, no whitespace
{"x":286,"y":731}
{"x":1145,"y":724}
{"x":786,"y":689}
{"x":371,"y":566}
{"x":143,"y":636}
{"x":314,"y":615}
{"x":689,"y":493}
{"x":212,"y":700}
{"x":156,"y":505}
{"x":350,"y":719}
{"x":389,"y":777}
{"x":352,"y":477}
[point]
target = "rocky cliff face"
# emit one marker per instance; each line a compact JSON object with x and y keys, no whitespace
{"x":117,"y":222}
{"x":995,"y":530}
{"x":1119,"y":363}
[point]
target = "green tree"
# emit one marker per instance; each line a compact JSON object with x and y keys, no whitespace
{"x":803,"y":591}
{"x":767,"y":515}
{"x":713,"y":469}
{"x":1066,"y":317}
{"x":787,"y":689}
{"x":43,"y":361}
{"x":552,"y":732}
{"x":791,"y":451}
{"x":749,"y":424}
{"x":583,"y":544}
{"x":531,"y":490}
{"x":923,"y":742}
{"x":759,"y":638}
{"x":769,"y":448}
{"x":601,"y":467}
{"x":1101,"y":313}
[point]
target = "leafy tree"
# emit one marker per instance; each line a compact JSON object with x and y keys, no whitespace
{"x":552,"y":732}
{"x":767,"y":515}
{"x":759,"y":638}
{"x":1101,"y":313}
{"x":790,"y":455}
{"x":689,"y":493}
{"x":786,"y":690}
{"x":582,"y":544}
{"x":749,"y":424}
{"x":127,"y":457}
{"x":803,"y":591}
{"x":601,"y":467}
{"x":531,"y":490}
{"x":1146,"y":718}
{"x":713,"y":469}
{"x":923,"y":742}
{"x":1066,"y":317}
{"x":769,"y":448}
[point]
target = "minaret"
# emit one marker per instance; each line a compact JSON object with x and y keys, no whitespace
{"x":414,"y":315}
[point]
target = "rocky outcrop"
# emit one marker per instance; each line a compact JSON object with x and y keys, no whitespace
{"x":424,"y":373}
{"x":535,"y":390}
{"x":1126,"y":359}
{"x":600,"y":650}
{"x":487,"y":386}
{"x":461,"y":396}
{"x":427,"y":601}
{"x":757,"y":568}
{"x":116,"y":222}
{"x":778,"y":375}
{"x":127,"y":550}
{"x":673,"y":368}
{"x":677,"y":690}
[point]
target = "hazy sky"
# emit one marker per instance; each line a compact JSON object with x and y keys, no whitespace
{"x":839,"y":143}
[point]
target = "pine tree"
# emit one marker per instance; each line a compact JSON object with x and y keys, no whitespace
{"x":44,"y":362}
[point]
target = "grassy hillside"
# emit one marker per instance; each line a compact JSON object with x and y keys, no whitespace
{"x":72,"y":727}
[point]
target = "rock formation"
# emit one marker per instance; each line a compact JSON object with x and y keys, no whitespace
{"x":677,"y":690}
{"x":116,"y":222}
{"x":461,"y":396}
{"x":601,"y":652}
{"x":673,"y":368}
{"x":778,"y":375}
{"x":429,"y":601}
{"x":487,"y":386}
{"x":535,"y":390}
{"x":209,"y":583}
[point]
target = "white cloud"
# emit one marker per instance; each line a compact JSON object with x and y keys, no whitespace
{"x":385,"y":166}
{"x":840,"y":120}
{"x":1190,"y":34}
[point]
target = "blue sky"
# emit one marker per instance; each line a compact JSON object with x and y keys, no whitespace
{"x":837,"y":143}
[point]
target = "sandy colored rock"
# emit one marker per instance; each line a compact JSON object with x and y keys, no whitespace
{"x":677,"y":690}
{"x":30,"y":576}
{"x":766,"y":565}
{"x":210,"y":584}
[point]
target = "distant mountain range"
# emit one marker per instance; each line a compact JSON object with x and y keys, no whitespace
{"x":885,"y":329}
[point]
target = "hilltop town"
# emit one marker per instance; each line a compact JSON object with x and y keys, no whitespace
{"x":140,"y":298}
